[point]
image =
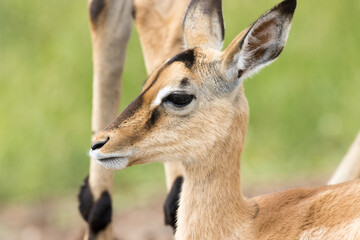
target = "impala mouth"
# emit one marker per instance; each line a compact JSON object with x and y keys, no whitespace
{"x":116,"y":163}
{"x":109,"y":161}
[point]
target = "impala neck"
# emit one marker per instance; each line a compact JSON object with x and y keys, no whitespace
{"x":212,"y":205}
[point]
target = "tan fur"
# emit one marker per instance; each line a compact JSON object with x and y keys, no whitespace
{"x":207,"y":137}
{"x":160,"y":29}
{"x":314,"y":211}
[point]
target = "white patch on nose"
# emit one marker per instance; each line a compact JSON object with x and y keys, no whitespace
{"x":161,"y":95}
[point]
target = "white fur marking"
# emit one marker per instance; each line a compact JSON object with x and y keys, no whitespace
{"x":161,"y":94}
{"x":114,"y":161}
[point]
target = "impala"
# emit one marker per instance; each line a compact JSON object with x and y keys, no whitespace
{"x":193,"y":110}
{"x":184,"y":116}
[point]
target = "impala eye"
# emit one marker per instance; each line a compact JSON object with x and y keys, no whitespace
{"x":179,"y":99}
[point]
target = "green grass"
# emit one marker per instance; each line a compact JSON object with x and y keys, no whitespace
{"x":304,"y":108}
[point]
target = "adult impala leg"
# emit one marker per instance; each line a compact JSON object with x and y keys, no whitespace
{"x":111,"y":24}
{"x":349,"y":168}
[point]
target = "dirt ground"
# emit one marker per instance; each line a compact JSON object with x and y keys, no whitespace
{"x":57,"y":219}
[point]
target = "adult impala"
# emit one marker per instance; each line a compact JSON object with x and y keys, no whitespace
{"x":193,"y":110}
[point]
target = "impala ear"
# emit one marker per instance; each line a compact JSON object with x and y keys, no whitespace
{"x":260,"y":44}
{"x":204,"y":24}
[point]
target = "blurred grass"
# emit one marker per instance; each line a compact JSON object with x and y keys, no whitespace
{"x":304,"y":108}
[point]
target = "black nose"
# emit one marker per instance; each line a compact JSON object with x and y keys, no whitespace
{"x":99,"y":144}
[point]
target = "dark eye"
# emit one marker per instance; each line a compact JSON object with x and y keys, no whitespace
{"x":179,"y":99}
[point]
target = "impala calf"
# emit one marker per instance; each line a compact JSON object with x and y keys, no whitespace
{"x":193,"y":110}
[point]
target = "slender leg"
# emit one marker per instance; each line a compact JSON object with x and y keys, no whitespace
{"x":111,"y":24}
{"x":349,"y":168}
{"x":159,"y":23}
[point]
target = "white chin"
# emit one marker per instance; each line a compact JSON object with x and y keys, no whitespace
{"x":114,"y":163}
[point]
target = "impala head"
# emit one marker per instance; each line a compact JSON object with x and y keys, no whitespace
{"x":194,"y":100}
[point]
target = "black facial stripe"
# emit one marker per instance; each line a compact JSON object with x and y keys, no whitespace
{"x":187,"y":57}
{"x":153,"y":118}
{"x":133,"y":106}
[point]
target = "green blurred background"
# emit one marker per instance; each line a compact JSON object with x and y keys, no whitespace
{"x":304,"y":108}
